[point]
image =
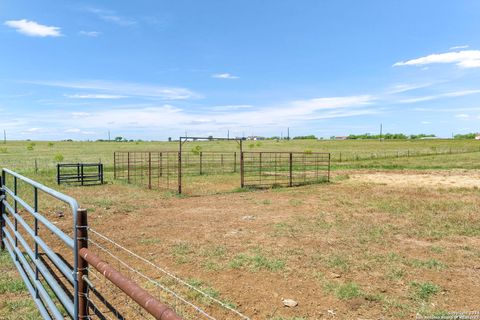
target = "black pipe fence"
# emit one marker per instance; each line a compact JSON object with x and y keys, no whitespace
{"x":80,"y":173}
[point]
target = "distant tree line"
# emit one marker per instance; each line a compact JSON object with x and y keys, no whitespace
{"x":389,"y":136}
{"x":465,"y":136}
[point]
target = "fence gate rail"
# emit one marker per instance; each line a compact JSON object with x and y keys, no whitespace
{"x":36,"y":264}
{"x":53,"y":264}
{"x":288,"y":169}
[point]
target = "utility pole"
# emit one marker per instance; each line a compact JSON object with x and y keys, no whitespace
{"x":288,"y":133}
{"x":381,"y":129}
{"x":108,"y":135}
{"x":228,"y":134}
{"x":4,"y":136}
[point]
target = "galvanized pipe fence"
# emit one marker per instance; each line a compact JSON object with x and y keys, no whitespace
{"x":53,"y":263}
{"x":167,"y":170}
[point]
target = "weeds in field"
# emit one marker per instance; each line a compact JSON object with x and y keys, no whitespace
{"x":343,"y":291}
{"x":424,"y":290}
{"x":181,"y":252}
{"x":256,"y":261}
{"x":428,"y":264}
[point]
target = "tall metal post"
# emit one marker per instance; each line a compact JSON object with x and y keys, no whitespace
{"x":201,"y":156}
{"x":58,"y":173}
{"x":82,"y":242}
{"x":235,"y":161}
{"x":128,"y":167}
{"x":114,"y":164}
{"x":180,"y":166}
{"x":2,"y":210}
{"x":329,"y":158}
{"x":149,"y":170}
{"x":242,"y":170}
{"x":290,"y":169}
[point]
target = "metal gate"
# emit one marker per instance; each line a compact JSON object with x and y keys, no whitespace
{"x":53,"y":264}
{"x":32,"y":251}
{"x":287,"y":169}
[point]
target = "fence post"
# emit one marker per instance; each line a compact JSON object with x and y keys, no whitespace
{"x":290,"y":169}
{"x":201,"y":156}
{"x":82,"y":272}
{"x":36,"y":166}
{"x":180,"y":172}
{"x":149,"y":170}
{"x":100,"y":168}
{"x":340,"y":157}
{"x":114,"y":165}
{"x":329,"y":162}
{"x":2,"y":210}
{"x":81,"y":171}
{"x":235,"y":161}
{"x":161,"y":164}
{"x":128,"y":167}
{"x":242,"y":170}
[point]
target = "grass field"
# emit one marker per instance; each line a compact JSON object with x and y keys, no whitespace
{"x":388,"y":238}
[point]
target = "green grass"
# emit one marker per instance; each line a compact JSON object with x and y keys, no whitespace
{"x":256,"y":261}
{"x":343,"y":291}
{"x":23,"y":154}
{"x":424,"y":290}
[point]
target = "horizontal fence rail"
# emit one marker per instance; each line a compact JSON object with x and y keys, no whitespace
{"x":80,"y":173}
{"x":269,"y":169}
{"x":139,"y":295}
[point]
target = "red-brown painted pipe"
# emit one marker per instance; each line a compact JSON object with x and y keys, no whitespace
{"x":157,"y":309}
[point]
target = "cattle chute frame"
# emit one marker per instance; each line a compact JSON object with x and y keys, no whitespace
{"x":168,"y":170}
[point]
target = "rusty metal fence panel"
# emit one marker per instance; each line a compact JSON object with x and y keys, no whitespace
{"x":154,"y":170}
{"x":269,"y":169}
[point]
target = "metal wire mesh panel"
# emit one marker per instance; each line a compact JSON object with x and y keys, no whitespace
{"x":269,"y":169}
{"x":209,"y":162}
{"x":154,"y":170}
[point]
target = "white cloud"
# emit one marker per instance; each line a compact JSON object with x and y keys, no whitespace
{"x":462,"y":116}
{"x":73,"y":131}
{"x":94,"y":96}
{"x":90,"y":33}
{"x":404,"y":87}
{"x":459,"y":93}
{"x":224,"y":76}
{"x":459,"y":47}
{"x":463,"y":59}
{"x":125,"y":88}
{"x":33,"y":130}
{"x":425,"y":122}
{"x":113,"y":17}
{"x":80,"y":114}
{"x":33,"y":29}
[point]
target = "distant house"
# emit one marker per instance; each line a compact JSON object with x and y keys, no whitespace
{"x":477,"y":136}
{"x":341,"y":138}
{"x":255,"y":138}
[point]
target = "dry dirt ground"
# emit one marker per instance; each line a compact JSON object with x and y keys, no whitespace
{"x":368,"y":245}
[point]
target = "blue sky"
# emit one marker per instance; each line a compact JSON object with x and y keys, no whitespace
{"x":155,"y":69}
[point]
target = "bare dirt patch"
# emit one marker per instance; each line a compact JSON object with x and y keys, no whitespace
{"x":431,"y":179}
{"x":349,"y":248}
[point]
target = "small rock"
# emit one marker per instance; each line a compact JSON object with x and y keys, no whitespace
{"x":332,"y":312}
{"x":248,"y":218}
{"x":60,"y":214}
{"x":335,"y":275}
{"x":289,"y":303}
